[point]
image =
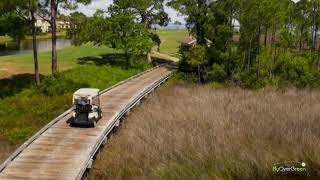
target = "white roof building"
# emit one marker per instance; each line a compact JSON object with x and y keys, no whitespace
{"x":45,"y":26}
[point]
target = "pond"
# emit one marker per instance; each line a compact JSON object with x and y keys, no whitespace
{"x":10,"y":48}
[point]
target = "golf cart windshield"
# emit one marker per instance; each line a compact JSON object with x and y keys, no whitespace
{"x":82,"y":101}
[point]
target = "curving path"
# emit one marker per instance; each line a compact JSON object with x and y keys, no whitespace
{"x":61,"y":152}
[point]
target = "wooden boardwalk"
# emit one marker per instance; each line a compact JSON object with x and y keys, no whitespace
{"x":63,"y":152}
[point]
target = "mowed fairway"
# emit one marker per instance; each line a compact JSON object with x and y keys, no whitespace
{"x":67,"y":58}
{"x":169,"y":40}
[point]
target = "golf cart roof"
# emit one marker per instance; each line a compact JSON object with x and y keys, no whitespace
{"x":86,"y":92}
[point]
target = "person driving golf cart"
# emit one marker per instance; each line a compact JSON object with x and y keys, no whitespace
{"x":86,"y":110}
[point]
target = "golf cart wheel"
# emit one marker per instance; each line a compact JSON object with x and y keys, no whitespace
{"x":100,"y":113}
{"x":72,"y":124}
{"x":94,"y":124}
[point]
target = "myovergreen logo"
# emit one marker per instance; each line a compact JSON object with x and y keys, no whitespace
{"x":290,"y":168}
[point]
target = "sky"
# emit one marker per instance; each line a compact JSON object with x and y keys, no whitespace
{"x":90,"y":9}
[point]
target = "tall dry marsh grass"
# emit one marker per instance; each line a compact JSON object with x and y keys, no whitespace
{"x":187,"y":132}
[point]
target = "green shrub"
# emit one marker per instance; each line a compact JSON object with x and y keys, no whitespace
{"x":258,"y":75}
{"x":15,"y":84}
{"x":58,"y":84}
{"x":192,"y":57}
{"x":296,"y":71}
{"x":183,"y":48}
{"x":188,"y":77}
{"x":217,"y":73}
{"x":287,"y":70}
{"x":18,"y":135}
{"x":183,"y":64}
{"x":249,"y":79}
{"x":87,"y":76}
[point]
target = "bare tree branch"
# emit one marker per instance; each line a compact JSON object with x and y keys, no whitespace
{"x":43,"y":17}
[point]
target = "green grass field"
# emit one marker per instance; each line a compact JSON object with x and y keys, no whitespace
{"x":69,"y":57}
{"x":169,"y":39}
{"x":4,"y":39}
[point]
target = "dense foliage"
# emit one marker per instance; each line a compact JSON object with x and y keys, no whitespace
{"x":13,"y":25}
{"x":277,"y":42}
{"x":125,"y":26}
{"x":147,"y":12}
{"x":120,"y":31}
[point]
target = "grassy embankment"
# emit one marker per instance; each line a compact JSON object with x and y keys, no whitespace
{"x":196,"y":132}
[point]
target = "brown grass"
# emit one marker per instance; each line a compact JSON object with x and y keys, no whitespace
{"x":189,"y":132}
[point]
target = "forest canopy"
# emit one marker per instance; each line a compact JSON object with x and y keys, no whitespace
{"x":277,"y":42}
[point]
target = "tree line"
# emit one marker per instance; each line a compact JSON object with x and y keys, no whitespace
{"x":277,"y":42}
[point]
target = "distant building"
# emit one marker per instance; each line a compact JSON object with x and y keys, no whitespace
{"x":191,"y":41}
{"x":44,"y":26}
{"x":188,"y":41}
{"x":63,"y":24}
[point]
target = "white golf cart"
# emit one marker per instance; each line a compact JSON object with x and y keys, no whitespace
{"x":87,"y":110}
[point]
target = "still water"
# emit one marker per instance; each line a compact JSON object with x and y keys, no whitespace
{"x":25,"y":46}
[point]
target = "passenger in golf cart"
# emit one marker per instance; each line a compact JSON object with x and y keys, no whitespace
{"x":86,"y":107}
